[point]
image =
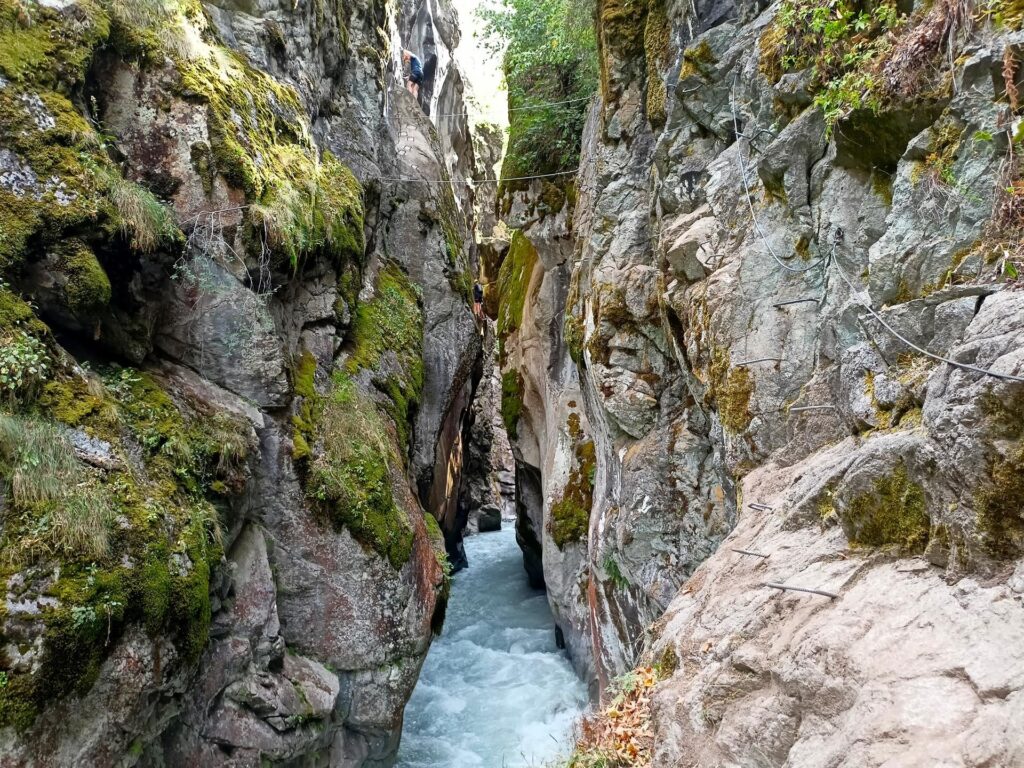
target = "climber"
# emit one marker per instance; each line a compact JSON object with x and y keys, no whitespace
{"x":415,"y":76}
{"x":478,"y":301}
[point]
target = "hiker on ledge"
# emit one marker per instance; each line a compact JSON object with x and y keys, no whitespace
{"x":478,"y":301}
{"x":412,"y":82}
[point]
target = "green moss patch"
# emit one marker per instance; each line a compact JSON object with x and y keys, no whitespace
{"x":730,"y":389}
{"x":303,"y":199}
{"x":88,"y":287}
{"x":1000,"y":506}
{"x":622,"y":26}
{"x":392,"y":323}
{"x":513,"y":283}
{"x":698,"y":60}
{"x":999,"y":500}
{"x":893,"y":514}
{"x":349,"y":478}
{"x":656,"y":49}
{"x":43,"y":56}
{"x":125,"y":546}
{"x":570,"y":515}
{"x":574,"y":333}
{"x":343,"y":436}
{"x":511,"y":401}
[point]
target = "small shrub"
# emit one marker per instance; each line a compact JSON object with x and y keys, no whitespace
{"x":615,"y":576}
{"x":844,"y":43}
{"x":24,"y":367}
{"x":937,"y":167}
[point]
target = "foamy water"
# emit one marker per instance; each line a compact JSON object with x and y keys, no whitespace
{"x":495,"y":691}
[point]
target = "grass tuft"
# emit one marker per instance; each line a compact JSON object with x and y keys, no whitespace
{"x":44,"y":476}
{"x":143,"y":220}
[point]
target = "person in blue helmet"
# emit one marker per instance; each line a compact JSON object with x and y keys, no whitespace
{"x":415,"y":72}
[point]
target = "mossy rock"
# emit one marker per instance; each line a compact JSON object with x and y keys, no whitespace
{"x":999,"y":499}
{"x":153,"y":567}
{"x":303,"y":201}
{"x":16,"y":314}
{"x":893,"y":514}
{"x":868,"y":140}
{"x":392,"y":323}
{"x":731,"y":388}
{"x":511,"y":401}
{"x":44,"y":55}
{"x":622,"y":25}
{"x":657,"y":33}
{"x":348,"y":480}
{"x":304,"y":375}
{"x":87,"y":290}
{"x":570,"y":515}
{"x":574,"y":334}
{"x":698,"y":60}
{"x":343,"y":436}
{"x":1000,"y":507}
{"x":514,"y":282}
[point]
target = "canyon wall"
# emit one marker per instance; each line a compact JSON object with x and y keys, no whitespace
{"x":703,"y":354}
{"x":237,"y":362}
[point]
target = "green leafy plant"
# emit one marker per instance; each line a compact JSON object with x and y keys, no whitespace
{"x":24,"y":366}
{"x":550,"y":58}
{"x":842,"y":41}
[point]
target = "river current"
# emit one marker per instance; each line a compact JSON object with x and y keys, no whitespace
{"x":495,"y":691}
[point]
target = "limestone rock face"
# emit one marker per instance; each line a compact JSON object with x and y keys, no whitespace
{"x":488,"y":490}
{"x":308,"y":283}
{"x":543,"y":403}
{"x":732,"y":290}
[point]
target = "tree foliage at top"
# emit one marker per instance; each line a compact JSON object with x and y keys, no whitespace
{"x":551,"y":56}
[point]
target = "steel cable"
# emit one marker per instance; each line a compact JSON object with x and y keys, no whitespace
{"x":750,"y":201}
{"x":964,"y":366}
{"x":842,"y":273}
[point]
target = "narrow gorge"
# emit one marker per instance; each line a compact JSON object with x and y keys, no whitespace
{"x":747,"y":381}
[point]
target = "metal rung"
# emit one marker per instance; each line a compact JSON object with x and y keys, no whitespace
{"x":748,"y":552}
{"x":760,"y":360}
{"x":794,"y":301}
{"x":821,"y":592}
{"x":760,"y":507}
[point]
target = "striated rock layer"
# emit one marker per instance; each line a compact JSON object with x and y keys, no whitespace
{"x":236,"y":333}
{"x":733,"y":276}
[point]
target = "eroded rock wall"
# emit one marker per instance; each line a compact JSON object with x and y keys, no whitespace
{"x":256,"y":363}
{"x":742,"y":260}
{"x":543,"y":408}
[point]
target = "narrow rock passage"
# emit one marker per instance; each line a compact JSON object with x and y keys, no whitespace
{"x":495,"y":692}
